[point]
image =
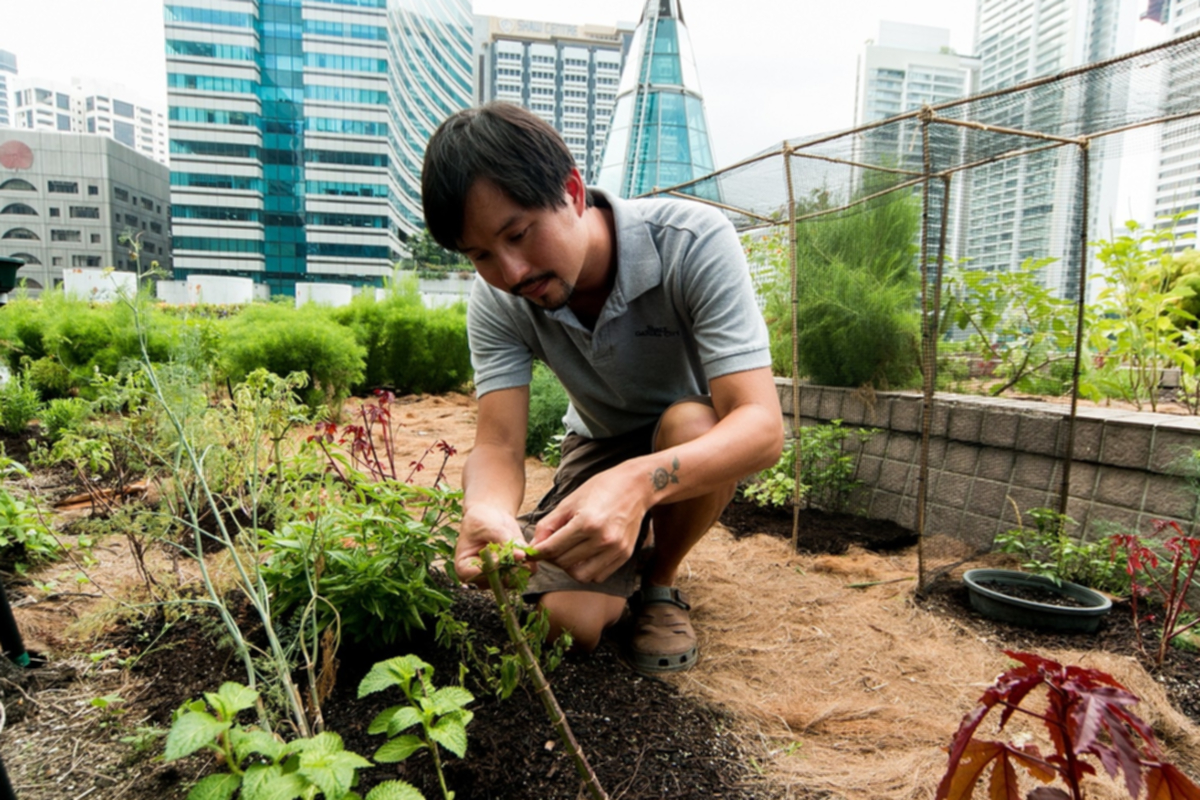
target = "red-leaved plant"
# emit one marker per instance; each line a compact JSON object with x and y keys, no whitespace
{"x":1087,"y":714}
{"x":1172,"y":584}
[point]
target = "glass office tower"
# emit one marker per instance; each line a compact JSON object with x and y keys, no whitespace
{"x":659,"y":136}
{"x":298,"y":127}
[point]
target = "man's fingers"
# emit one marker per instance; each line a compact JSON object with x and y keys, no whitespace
{"x":549,"y":524}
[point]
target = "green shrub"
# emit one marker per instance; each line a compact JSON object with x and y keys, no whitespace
{"x":284,"y":340}
{"x":827,"y":472}
{"x":1048,"y":549}
{"x":368,"y":319}
{"x":22,"y":331}
{"x":427,"y":349}
{"x":50,"y":378}
{"x":373,"y":559}
{"x":64,"y":415}
{"x":547,"y":405}
{"x":857,"y":316}
{"x":20,"y":403}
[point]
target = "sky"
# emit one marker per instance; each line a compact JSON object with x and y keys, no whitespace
{"x":769,"y":69}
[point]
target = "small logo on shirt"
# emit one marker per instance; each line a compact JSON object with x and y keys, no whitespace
{"x":657,"y":331}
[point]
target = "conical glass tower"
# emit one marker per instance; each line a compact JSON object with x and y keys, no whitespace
{"x":659,"y":136}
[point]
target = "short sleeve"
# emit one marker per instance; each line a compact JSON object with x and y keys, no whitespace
{"x":727,"y":324}
{"x":499,"y":356}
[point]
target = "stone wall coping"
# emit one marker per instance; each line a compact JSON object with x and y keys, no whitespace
{"x":1175,"y":422}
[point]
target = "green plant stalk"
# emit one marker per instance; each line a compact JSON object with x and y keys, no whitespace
{"x":542,"y":687}
{"x":258,"y":598}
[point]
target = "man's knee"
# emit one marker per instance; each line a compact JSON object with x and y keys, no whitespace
{"x":584,"y":615}
{"x":684,"y":422}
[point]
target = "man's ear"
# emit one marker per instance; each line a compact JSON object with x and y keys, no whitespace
{"x":576,"y":191}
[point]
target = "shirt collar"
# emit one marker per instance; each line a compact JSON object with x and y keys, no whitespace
{"x":639,"y":267}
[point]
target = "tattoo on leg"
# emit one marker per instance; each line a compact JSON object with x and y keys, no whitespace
{"x":661,"y":477}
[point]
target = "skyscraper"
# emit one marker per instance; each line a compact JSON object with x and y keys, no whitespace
{"x":298,"y":127}
{"x":566,"y":74}
{"x":1177,"y":184}
{"x":8,"y":71}
{"x":659,"y":135}
{"x":1030,"y":207}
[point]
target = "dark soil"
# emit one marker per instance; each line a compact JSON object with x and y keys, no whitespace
{"x":820,"y":532}
{"x":1034,"y":594}
{"x":1179,"y":674}
{"x":642,"y":738}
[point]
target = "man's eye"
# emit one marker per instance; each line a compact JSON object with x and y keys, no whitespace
{"x":518,"y":236}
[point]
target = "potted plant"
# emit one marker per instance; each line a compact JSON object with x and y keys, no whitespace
{"x":1050,"y":592}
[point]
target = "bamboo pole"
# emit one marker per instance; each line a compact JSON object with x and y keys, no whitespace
{"x":1069,"y":451}
{"x":928,"y":343}
{"x":795,"y":350}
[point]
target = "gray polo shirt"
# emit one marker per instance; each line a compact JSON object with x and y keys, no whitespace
{"x":682,"y":312}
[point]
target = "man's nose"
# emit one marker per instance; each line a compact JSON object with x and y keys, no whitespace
{"x":513,"y":268}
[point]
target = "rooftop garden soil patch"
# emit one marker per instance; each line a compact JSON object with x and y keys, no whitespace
{"x":821,"y":532}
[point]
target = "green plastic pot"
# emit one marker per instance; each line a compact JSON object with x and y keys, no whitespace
{"x":1030,"y":614}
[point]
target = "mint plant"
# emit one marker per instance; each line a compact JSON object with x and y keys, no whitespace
{"x":1087,"y":715}
{"x":441,"y":714}
{"x":1172,"y":584}
{"x":260,"y":765}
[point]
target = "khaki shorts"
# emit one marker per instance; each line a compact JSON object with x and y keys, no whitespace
{"x":582,"y":458}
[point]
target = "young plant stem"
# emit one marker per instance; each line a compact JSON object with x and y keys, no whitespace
{"x":541,"y":685}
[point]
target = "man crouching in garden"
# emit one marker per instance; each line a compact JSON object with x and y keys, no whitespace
{"x":645,"y":312}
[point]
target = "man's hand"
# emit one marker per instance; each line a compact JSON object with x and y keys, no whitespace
{"x":481,"y":526}
{"x":594,"y":530}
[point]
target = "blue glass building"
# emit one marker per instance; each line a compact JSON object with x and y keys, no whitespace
{"x":659,"y":135}
{"x":297,"y":130}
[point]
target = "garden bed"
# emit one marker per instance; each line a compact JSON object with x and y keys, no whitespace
{"x":806,"y":687}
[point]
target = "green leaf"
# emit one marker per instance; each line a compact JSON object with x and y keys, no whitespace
{"x":397,"y":671}
{"x":192,"y":731}
{"x":404,"y":719}
{"x":333,"y":772}
{"x":382,"y":719}
{"x":215,"y":787}
{"x":398,"y":749}
{"x":236,"y":696}
{"x":451,"y":734}
{"x":395,"y":790}
{"x":270,"y":783}
{"x":247,"y":742}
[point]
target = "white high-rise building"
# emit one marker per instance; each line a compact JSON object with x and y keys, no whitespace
{"x":906,"y":67}
{"x":1030,"y":207}
{"x":8,"y":72}
{"x":1177,"y":185}
{"x":566,"y":74}
{"x":87,"y":107}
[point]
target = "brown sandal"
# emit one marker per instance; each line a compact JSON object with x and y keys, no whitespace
{"x":663,"y":639}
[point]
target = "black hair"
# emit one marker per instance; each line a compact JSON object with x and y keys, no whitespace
{"x":501,"y":142}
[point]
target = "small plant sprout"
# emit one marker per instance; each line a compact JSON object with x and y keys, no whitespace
{"x":441,"y":714}
{"x":1087,"y":714}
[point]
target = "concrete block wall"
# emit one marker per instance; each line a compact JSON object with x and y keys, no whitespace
{"x":987,"y":453}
